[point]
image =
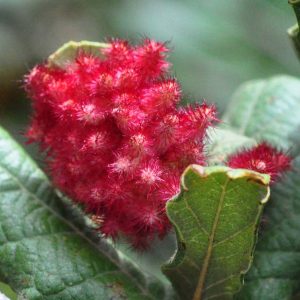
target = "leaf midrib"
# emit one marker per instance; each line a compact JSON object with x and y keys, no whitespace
{"x":73,"y":227}
{"x":204,"y":270}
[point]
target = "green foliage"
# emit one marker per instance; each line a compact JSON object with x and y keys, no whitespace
{"x":43,"y":255}
{"x":270,"y":109}
{"x":267,"y":110}
{"x":215,"y":217}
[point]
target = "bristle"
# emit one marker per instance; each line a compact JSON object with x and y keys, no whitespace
{"x":262,"y":158}
{"x":114,"y":137}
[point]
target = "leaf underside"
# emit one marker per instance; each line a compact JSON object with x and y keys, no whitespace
{"x":43,"y":255}
{"x":215,"y":217}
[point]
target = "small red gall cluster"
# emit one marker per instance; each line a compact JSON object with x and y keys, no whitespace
{"x":116,"y":140}
{"x":262,"y":158}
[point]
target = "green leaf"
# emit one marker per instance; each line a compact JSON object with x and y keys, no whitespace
{"x":267,"y":110}
{"x":222,"y":142}
{"x":43,"y":254}
{"x":275,"y":271}
{"x":215,"y":217}
{"x":270,"y":110}
{"x":68,"y":52}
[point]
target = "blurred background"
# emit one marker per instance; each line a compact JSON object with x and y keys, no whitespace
{"x":216,"y":44}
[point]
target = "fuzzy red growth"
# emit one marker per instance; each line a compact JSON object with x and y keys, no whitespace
{"x":263,"y":159}
{"x":115,"y":139}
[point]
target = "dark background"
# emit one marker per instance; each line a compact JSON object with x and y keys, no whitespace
{"x":216,"y":44}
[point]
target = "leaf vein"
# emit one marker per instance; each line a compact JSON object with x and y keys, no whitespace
{"x":195,"y":217}
{"x":220,"y":281}
{"x":202,"y":277}
{"x":73,"y":227}
{"x":233,"y":235}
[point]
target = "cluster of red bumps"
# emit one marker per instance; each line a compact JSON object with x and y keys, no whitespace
{"x":116,"y":140}
{"x":263,"y":159}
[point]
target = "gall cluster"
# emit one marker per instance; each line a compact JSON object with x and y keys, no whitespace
{"x":263,"y":159}
{"x":116,"y":139}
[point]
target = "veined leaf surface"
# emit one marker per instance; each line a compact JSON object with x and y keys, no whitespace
{"x":215,"y":217}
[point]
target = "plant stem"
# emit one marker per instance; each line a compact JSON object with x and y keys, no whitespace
{"x":294,"y":30}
